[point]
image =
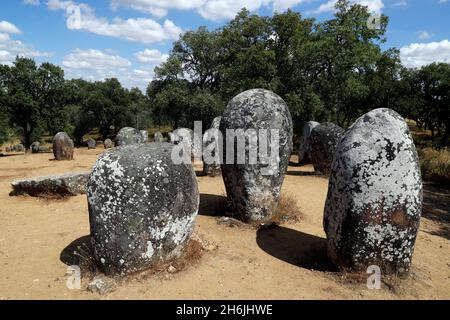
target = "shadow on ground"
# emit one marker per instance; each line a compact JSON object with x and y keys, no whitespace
{"x":436,"y":207}
{"x":78,"y":253}
{"x":295,"y":247}
{"x":212,"y":205}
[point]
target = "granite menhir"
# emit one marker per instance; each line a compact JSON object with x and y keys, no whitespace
{"x":253,"y":187}
{"x":211,"y":164}
{"x":62,"y":147}
{"x":128,"y":136}
{"x":323,"y":141}
{"x":374,"y":200}
{"x":303,"y":150}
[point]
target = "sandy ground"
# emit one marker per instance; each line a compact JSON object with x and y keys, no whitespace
{"x":286,"y":262}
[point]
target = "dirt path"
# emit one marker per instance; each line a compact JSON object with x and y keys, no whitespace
{"x":286,"y":262}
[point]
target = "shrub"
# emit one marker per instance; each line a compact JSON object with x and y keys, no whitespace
{"x":435,"y":164}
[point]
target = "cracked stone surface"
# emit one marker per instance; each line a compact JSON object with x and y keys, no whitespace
{"x":303,"y":150}
{"x":374,"y":200}
{"x":210,"y":141}
{"x":323,"y":141}
{"x":62,"y":147}
{"x":254,"y":189}
{"x":129,"y":136}
{"x":142,"y":207}
{"x":70,"y":184}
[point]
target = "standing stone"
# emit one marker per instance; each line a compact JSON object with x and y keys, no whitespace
{"x":92,"y":144}
{"x":211,"y":139}
{"x":8,"y":149}
{"x":187,"y":137}
{"x":324,"y":139}
{"x":128,"y":136}
{"x":144,"y":134}
{"x":19,"y":148}
{"x":158,"y":137}
{"x":142,"y":207}
{"x":374,"y":201}
{"x":35,"y":147}
{"x":108,"y":144}
{"x":304,"y":149}
{"x":63,"y":146}
{"x":254,"y":189}
{"x":172,"y":138}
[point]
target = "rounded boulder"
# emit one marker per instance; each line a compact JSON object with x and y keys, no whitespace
{"x":129,"y":136}
{"x":323,"y":141}
{"x":142,"y":207}
{"x":63,"y":147}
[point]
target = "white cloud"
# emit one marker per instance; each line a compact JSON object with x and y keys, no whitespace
{"x":81,"y":16}
{"x":8,"y":27}
{"x":401,"y":3}
{"x":32,"y":2}
{"x":151,"y":56}
{"x":95,"y":65}
{"x":208,"y":9}
{"x":423,"y":35}
{"x":374,"y":6}
{"x":417,"y":55}
{"x":10,"y":48}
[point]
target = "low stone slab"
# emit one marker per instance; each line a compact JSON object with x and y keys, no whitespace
{"x":71,"y":184}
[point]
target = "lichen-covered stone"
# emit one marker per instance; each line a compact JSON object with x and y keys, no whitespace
{"x":35,"y":147}
{"x":374,"y":200}
{"x":63,"y":146}
{"x":158,"y":137}
{"x":70,"y":184}
{"x":142,"y":207}
{"x":191,"y":141}
{"x":92,"y":144}
{"x":253,"y":189}
{"x":323,"y":141}
{"x":210,"y":140}
{"x":128,"y":136}
{"x":303,"y":150}
{"x":144,"y":134}
{"x":108,"y":144}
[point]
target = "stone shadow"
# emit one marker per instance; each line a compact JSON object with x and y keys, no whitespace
{"x":212,"y":205}
{"x":295,"y":247}
{"x":79,"y":253}
{"x":436,"y":207}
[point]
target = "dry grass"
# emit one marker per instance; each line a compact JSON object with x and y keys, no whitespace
{"x":435,"y":164}
{"x":287,"y":210}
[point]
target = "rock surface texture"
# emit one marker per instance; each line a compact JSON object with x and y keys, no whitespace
{"x":323,"y":141}
{"x":374,"y":201}
{"x":108,"y":144}
{"x":253,"y":188}
{"x":158,"y":137}
{"x":211,"y":140}
{"x":71,"y":184}
{"x":304,"y":148}
{"x":63,"y":147}
{"x":142,"y":207}
{"x":129,"y":136}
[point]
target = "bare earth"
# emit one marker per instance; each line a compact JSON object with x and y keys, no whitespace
{"x":286,"y":262}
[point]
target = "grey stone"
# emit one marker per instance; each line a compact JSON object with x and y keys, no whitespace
{"x":44,"y":149}
{"x":254,"y":189}
{"x":142,"y":207}
{"x":303,"y":151}
{"x":374,"y":201}
{"x":172,"y":138}
{"x":108,"y":144}
{"x":8,"y":149}
{"x":144,"y":134}
{"x":211,"y":140}
{"x":71,"y":184}
{"x":19,"y":148}
{"x":128,"y":136}
{"x":323,"y":141}
{"x":63,"y":146}
{"x":158,"y":137}
{"x":187,"y":138}
{"x":102,"y":285}
{"x":35,"y":147}
{"x":92,"y":144}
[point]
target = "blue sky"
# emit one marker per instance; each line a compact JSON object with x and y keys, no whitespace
{"x":127,"y":38}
